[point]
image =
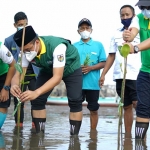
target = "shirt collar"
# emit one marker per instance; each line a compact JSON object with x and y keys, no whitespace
{"x":88,"y":43}
{"x":43,"y":48}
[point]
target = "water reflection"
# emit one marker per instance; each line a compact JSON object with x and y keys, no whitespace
{"x":37,"y":142}
{"x":17,"y":143}
{"x":140,"y":145}
{"x":2,"y":142}
{"x":74,"y":143}
{"x":93,"y":140}
{"x":128,"y":143}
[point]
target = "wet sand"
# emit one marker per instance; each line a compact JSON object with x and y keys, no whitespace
{"x":57,"y":135}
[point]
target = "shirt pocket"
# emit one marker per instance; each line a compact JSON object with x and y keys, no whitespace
{"x":94,"y":58}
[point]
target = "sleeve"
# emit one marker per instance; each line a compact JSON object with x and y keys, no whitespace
{"x":136,"y":40}
{"x":6,"y":55}
{"x":59,"y":56}
{"x":25,"y":62}
{"x":113,"y":46}
{"x":135,"y":23}
{"x":102,"y":56}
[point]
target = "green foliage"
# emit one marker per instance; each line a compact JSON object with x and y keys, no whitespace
{"x":30,"y":75}
{"x":87,"y":60}
{"x":124,"y":50}
{"x":23,"y":83}
{"x":18,"y":68}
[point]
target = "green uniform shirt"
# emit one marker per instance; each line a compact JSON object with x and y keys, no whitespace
{"x":144,"y":34}
{"x":3,"y":66}
{"x":46,"y":60}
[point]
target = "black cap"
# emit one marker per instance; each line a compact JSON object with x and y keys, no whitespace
{"x":85,"y":20}
{"x":29,"y":36}
{"x":143,"y":3}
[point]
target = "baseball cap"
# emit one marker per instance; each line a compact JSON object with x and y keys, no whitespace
{"x":143,"y":3}
{"x":85,"y":20}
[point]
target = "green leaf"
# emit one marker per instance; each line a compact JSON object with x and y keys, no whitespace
{"x":119,"y":48}
{"x":124,"y":51}
{"x":30,"y":75}
{"x":87,"y":60}
{"x":27,"y":82}
{"x":16,"y":106}
{"x":19,"y":68}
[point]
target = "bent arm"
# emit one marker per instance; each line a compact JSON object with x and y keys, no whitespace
{"x":144,"y":45}
{"x":98,"y":66}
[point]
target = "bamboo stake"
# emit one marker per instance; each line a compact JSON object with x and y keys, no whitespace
{"x":19,"y":107}
{"x":121,"y":106}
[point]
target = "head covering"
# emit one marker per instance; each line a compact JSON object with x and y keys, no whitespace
{"x":85,"y":20}
{"x":143,"y":3}
{"x":29,"y":36}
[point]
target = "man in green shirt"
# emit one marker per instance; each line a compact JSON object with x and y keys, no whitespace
{"x":143,"y":80}
{"x":7,"y":70}
{"x":58,"y":60}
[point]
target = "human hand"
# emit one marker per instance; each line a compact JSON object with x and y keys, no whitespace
{"x":28,"y":95}
{"x":15,"y":90}
{"x":86,"y":69}
{"x":127,"y":34}
{"x":101,"y":81}
{"x":4,"y":95}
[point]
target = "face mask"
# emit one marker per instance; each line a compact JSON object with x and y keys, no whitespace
{"x":19,"y":28}
{"x":31,"y":55}
{"x":85,"y":34}
{"x":126,"y":22}
{"x":146,"y":13}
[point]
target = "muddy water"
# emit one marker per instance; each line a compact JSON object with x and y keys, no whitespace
{"x":57,"y":136}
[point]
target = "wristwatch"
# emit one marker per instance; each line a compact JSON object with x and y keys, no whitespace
{"x":7,"y":88}
{"x":136,"y":49}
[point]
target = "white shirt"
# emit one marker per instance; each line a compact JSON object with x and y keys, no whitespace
{"x":59,"y":51}
{"x":133,"y":60}
{"x":5,"y":55}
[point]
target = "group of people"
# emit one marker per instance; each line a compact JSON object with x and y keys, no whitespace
{"x":79,"y":65}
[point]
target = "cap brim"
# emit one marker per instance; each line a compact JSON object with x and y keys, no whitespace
{"x":84,"y":22}
{"x":143,"y":3}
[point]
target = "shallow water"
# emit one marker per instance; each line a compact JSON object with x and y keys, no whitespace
{"x":57,"y":136}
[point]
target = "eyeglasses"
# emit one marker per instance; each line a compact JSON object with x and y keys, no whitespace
{"x":144,"y":7}
{"x":84,"y":28}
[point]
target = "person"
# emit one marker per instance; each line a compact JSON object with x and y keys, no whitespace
{"x":20,"y":20}
{"x":143,"y":82}
{"x":58,"y":60}
{"x":7,"y":65}
{"x":95,"y":52}
{"x":127,"y":15}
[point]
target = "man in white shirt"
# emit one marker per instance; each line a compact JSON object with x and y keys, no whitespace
{"x":127,"y":15}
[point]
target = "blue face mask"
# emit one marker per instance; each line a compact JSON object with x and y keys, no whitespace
{"x":126,"y":22}
{"x":19,"y":28}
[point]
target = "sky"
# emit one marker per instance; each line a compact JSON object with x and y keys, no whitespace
{"x":61,"y":18}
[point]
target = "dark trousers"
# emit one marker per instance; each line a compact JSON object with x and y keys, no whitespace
{"x":73,"y":84}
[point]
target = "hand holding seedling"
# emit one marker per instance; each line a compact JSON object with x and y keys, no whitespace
{"x":86,"y":69}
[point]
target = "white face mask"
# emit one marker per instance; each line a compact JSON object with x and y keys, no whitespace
{"x":85,"y":34}
{"x":31,"y":55}
{"x":19,"y":28}
{"x":146,"y":13}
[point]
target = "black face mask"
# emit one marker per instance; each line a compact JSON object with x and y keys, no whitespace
{"x":126,"y":22}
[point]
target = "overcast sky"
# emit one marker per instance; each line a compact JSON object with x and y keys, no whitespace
{"x":61,"y":17}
